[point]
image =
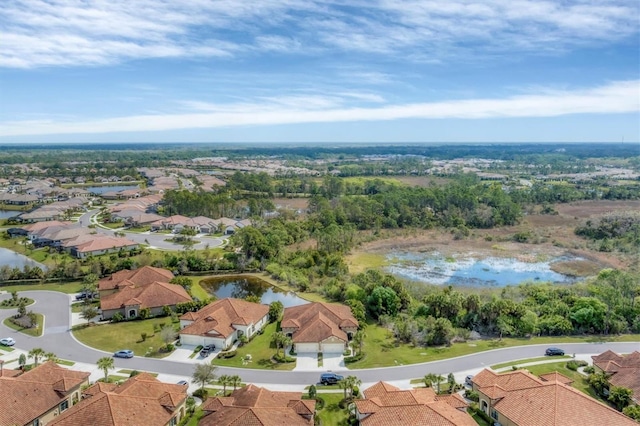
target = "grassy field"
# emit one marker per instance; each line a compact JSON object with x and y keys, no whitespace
{"x":332,"y":414}
{"x":360,"y":261}
{"x":35,"y":331}
{"x":124,"y":335}
{"x":527,"y":360}
{"x":69,"y":287}
{"x":380,"y":342}
{"x":261,"y":352}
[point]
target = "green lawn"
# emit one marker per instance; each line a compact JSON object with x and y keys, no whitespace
{"x":26,"y":300}
{"x":332,"y":414}
{"x":5,"y":349}
{"x":381,"y":351}
{"x":261,"y":352}
{"x":69,"y":287}
{"x":35,"y":331}
{"x":527,"y":360}
{"x":78,"y":307}
{"x":124,"y":335}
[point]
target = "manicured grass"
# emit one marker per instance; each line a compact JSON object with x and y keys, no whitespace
{"x":480,"y":420}
{"x":67,"y":287}
{"x":381,"y":351}
{"x":195,"y":418}
{"x":65,"y":362}
{"x":261,"y":352}
{"x":35,"y":331}
{"x":332,"y":414}
{"x":527,"y":360}
{"x":6,"y":348}
{"x":78,"y":307}
{"x":124,"y":335}
{"x":197,"y":290}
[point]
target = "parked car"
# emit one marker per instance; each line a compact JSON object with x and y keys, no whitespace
{"x":554,"y":351}
{"x":7,"y":341}
{"x":468,"y":380}
{"x":183,"y":383}
{"x":124,"y":353}
{"x":206,"y":350}
{"x":330,"y":378}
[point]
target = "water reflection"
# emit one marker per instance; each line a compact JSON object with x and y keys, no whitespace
{"x":240,"y":287}
{"x":15,"y":260}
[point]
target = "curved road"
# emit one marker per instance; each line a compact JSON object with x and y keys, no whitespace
{"x":58,"y":339}
{"x":156,"y":241}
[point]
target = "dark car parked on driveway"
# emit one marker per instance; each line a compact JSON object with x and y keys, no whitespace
{"x":554,"y":351}
{"x":206,"y":350}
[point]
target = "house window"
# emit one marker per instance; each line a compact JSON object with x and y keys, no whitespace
{"x":484,"y":406}
{"x":494,"y":414}
{"x":132,"y":313}
{"x":36,"y":422}
{"x":64,"y":405}
{"x":173,"y":421}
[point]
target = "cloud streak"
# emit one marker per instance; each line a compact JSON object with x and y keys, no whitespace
{"x":616,"y":97}
{"x":36,"y":33}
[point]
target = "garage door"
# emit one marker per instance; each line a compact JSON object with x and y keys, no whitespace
{"x":303,"y":348}
{"x":333,"y":348}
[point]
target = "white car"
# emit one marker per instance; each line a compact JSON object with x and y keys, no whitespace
{"x":7,"y":341}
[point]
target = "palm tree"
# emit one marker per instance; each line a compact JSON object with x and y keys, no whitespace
{"x":36,"y":354}
{"x":277,"y":339}
{"x":204,"y":374}
{"x":342,"y":384}
{"x":50,"y":356}
{"x":358,"y":339}
{"x":224,"y":380}
{"x":352,"y":382}
{"x":235,"y":381}
{"x":105,"y":364}
{"x":439,"y":378}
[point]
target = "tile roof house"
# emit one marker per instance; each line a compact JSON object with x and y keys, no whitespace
{"x":129,"y":300}
{"x":140,"y":276}
{"x":519,"y":398}
{"x":253,"y":405}
{"x":385,"y":404}
{"x":319,"y":327}
{"x":623,"y":370}
{"x":39,"y":395}
{"x":140,"y":401}
{"x":223,"y":322}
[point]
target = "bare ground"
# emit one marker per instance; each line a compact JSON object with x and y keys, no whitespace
{"x":552,"y":235}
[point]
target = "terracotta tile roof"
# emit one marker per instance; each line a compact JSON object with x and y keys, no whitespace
{"x":624,"y":370}
{"x":153,"y":295}
{"x":557,"y":377}
{"x":387,"y":405}
{"x":253,"y":405}
{"x":218,"y":318}
{"x":549,"y":403}
{"x":140,"y":276}
{"x":26,"y":397}
{"x":519,"y":379}
{"x":140,"y":401}
{"x":317,"y":321}
{"x":103,"y":242}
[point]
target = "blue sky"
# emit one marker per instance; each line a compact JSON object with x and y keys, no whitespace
{"x":308,"y":71}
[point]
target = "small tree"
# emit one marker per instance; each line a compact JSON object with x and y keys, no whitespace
{"x":204,"y":374}
{"x":50,"y":356}
{"x":275,"y":311}
{"x":36,"y":354}
{"x":451,"y":380}
{"x":22,"y":360}
{"x":224,"y":382}
{"x":277,"y":340}
{"x":352,"y":382}
{"x":14,"y":297}
{"x":235,"y":381}
{"x":620,"y":397}
{"x":88,"y":313}
{"x":168,"y":335}
{"x":313,"y":391}
{"x":22,"y":309}
{"x":105,"y":364}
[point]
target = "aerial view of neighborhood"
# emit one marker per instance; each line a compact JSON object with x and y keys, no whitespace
{"x":218,"y":285}
{"x":320,"y":212}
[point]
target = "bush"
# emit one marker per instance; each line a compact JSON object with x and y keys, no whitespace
{"x":352,"y":359}
{"x":134,"y":373}
{"x":319,"y":403}
{"x":283,"y":358}
{"x":589,"y":369}
{"x":117,"y":317}
{"x":201,"y":393}
{"x":170,"y":347}
{"x":227,"y":354}
{"x":573,"y":364}
{"x":472,"y":395}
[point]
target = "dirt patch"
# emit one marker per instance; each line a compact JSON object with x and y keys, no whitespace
{"x":585,"y":209}
{"x":423,"y":181}
{"x":292,"y":203}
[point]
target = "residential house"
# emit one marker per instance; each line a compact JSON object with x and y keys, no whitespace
{"x":223,"y":322}
{"x":98,"y":244}
{"x":141,"y":276}
{"x":38,"y":396}
{"x":518,"y":398}
{"x":140,"y":401}
{"x":319,"y":327}
{"x":623,"y":370}
{"x":253,"y":405}
{"x":230,"y":226}
{"x":18,"y":199}
{"x":131,"y":299}
{"x":385,"y":404}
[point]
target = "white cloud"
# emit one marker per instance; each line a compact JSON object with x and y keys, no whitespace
{"x":616,"y":97}
{"x":37,"y":33}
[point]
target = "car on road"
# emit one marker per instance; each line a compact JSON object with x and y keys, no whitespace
{"x":124,"y":353}
{"x":330,"y":378}
{"x":468,"y":380}
{"x":7,"y":341}
{"x":554,"y":351}
{"x":206,"y":350}
{"x":183,"y":383}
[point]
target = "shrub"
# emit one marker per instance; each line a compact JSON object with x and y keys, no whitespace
{"x":319,"y":403}
{"x":472,"y":395}
{"x":227,"y":354}
{"x":143,"y":336}
{"x":117,"y":317}
{"x":283,"y":358}
{"x":352,"y":359}
{"x":201,"y":393}
{"x":589,"y":369}
{"x":573,"y":364}
{"x":170,"y":347}
{"x":134,"y":373}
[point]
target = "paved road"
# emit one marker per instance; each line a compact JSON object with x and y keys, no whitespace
{"x":58,"y":339}
{"x":153,"y":239}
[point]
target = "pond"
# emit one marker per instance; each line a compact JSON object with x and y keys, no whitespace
{"x":5,"y":214}
{"x":15,"y":260}
{"x":109,"y":188}
{"x":240,"y":287}
{"x":466,"y":270}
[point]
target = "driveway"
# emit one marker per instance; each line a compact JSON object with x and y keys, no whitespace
{"x":333,"y":362}
{"x":307,"y":362}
